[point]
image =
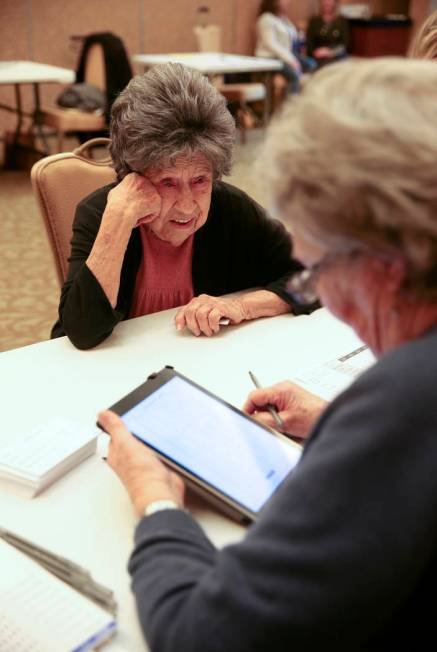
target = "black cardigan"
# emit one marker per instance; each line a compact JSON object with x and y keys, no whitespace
{"x":239,"y":247}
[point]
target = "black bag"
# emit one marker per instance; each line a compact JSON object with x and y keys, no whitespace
{"x":85,"y":97}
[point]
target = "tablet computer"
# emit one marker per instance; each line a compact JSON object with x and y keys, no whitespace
{"x":221,"y":452}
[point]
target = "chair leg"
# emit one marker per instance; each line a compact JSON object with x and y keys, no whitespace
{"x":241,"y":122}
{"x":60,"y":140}
{"x":243,"y":134}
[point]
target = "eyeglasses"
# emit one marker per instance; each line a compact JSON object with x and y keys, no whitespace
{"x":302,"y":285}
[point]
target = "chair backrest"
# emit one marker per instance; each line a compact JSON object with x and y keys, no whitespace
{"x":209,"y":38}
{"x":95,"y":71}
{"x":59,"y":183}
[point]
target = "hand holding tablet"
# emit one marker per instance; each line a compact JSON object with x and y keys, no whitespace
{"x":221,"y":452}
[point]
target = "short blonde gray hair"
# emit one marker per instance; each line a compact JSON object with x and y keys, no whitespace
{"x":353,"y":162}
{"x":170,"y":111}
{"x":424,"y":43}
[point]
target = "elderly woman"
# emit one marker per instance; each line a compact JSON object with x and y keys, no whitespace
{"x":327,"y":34}
{"x":277,"y":37}
{"x":170,"y":232}
{"x":344,"y":557}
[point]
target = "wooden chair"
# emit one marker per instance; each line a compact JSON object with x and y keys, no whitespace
{"x":59,"y":182}
{"x":209,"y":40}
{"x":74,"y":120}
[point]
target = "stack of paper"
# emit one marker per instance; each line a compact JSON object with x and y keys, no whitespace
{"x":38,"y":612}
{"x":35,"y":460}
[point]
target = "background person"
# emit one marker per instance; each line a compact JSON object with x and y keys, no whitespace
{"x":344,"y":556}
{"x":327,"y":34}
{"x":424,"y":44}
{"x":277,"y":37}
{"x":170,"y":232}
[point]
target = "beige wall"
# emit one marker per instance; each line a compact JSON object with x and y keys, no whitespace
{"x":40,"y":29}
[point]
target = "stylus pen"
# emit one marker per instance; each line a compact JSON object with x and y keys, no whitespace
{"x":271,"y":408}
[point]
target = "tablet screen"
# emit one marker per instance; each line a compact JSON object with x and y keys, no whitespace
{"x":212,"y":441}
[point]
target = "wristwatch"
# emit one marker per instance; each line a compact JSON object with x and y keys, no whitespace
{"x":159,"y":505}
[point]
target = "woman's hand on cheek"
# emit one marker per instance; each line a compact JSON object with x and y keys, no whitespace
{"x":143,"y":474}
{"x":135,"y":199}
{"x":203,"y":314}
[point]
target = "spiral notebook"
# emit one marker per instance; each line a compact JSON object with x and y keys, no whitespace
{"x":39,"y":613}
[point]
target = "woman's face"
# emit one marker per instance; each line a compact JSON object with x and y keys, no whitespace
{"x":282,"y":6}
{"x":327,"y":6}
{"x":360,"y":289}
{"x":185,"y":190}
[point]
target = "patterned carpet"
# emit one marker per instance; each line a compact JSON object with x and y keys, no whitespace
{"x":29,"y":292}
{"x":28,"y":288}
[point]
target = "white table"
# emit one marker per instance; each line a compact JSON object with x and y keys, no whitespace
{"x":212,"y":63}
{"x":217,"y":63}
{"x":17,"y":73}
{"x":86,"y":515}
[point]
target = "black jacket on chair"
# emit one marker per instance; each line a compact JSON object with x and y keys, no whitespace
{"x":118,"y":70}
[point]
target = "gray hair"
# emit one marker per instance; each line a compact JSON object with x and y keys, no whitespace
{"x":353,"y":162}
{"x":170,"y":111}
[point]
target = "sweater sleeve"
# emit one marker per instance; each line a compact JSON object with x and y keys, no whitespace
{"x":266,"y":252}
{"x":345,"y":33}
{"x":311,"y":36}
{"x":85,"y":314}
{"x":333,"y":559}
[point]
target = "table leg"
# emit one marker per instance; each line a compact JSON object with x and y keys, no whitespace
{"x":268,"y":103}
{"x":19,"y":106}
{"x":20,"y":152}
{"x":36,"y":119}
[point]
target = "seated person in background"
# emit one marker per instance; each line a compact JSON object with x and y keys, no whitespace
{"x":424,"y":44}
{"x":277,"y":37}
{"x":327,"y":34}
{"x":344,"y":556}
{"x":169,"y":232}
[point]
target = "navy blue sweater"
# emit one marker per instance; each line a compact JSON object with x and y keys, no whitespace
{"x":344,"y":556}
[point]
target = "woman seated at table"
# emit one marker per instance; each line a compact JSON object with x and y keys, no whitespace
{"x":170,"y":232}
{"x":327,"y":34}
{"x":344,"y":556}
{"x":277,"y":37}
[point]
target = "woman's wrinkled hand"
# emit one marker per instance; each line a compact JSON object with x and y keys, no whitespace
{"x":202,"y":315}
{"x":134,"y":199}
{"x":142,"y":473}
{"x":298,"y":408}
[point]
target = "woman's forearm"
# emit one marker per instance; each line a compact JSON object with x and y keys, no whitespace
{"x":106,"y":257}
{"x":263,"y":303}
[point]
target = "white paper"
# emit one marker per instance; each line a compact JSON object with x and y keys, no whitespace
{"x":34,"y":454}
{"x":39,"y":613}
{"x":332,"y":377}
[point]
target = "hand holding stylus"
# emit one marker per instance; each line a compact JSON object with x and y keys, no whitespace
{"x":297,"y":408}
{"x":268,"y":406}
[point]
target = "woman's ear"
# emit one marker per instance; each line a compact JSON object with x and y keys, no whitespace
{"x":396,"y":270}
{"x":390,"y":273}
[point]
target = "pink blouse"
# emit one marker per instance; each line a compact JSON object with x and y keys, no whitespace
{"x":164,"y":278}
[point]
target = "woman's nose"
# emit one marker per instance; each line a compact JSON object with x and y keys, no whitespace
{"x":185,"y":202}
